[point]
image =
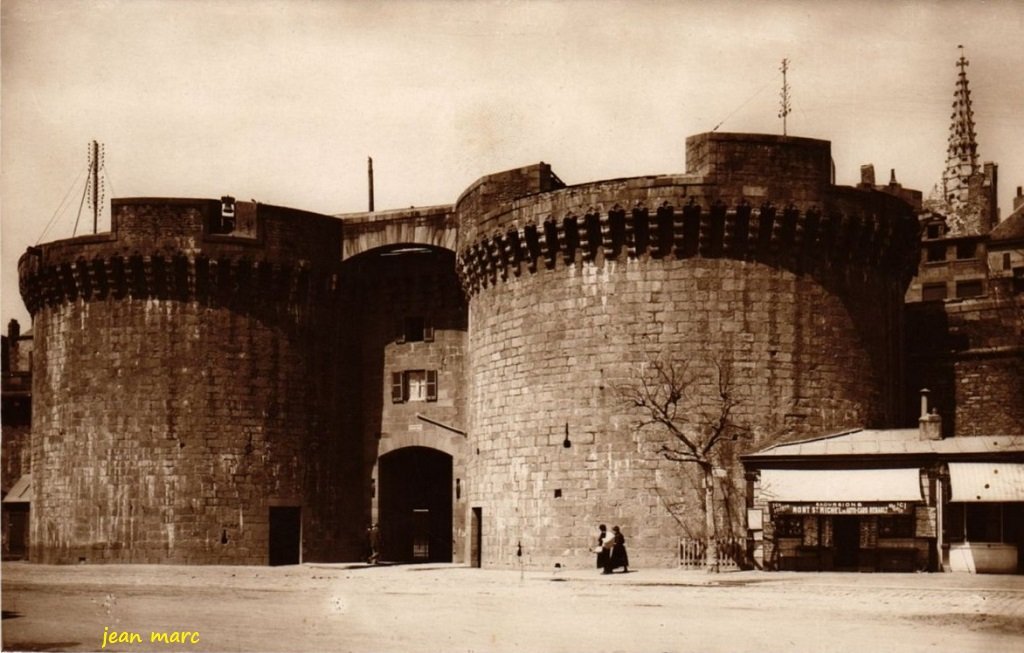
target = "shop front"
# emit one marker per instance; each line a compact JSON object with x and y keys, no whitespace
{"x":846,"y":520}
{"x":984,"y":519}
{"x":888,"y":500}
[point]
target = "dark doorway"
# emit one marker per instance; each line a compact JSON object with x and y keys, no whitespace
{"x":476,"y":538}
{"x":415,"y":505}
{"x":846,"y":534}
{"x":17,"y":530}
{"x":285,"y":535}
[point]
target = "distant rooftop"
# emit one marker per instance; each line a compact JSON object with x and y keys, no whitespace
{"x":870,"y":442}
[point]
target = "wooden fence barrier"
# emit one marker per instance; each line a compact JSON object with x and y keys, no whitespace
{"x":732,"y":553}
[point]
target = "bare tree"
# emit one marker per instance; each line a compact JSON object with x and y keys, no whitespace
{"x":696,"y":424}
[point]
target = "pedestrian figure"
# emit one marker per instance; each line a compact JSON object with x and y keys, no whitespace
{"x":374,"y":536}
{"x":603,"y":549}
{"x":618,"y":557}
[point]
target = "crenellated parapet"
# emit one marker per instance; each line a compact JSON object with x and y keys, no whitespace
{"x":234,"y":254}
{"x":852,"y":234}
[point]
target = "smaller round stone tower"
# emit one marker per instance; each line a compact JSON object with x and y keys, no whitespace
{"x":186,"y":391}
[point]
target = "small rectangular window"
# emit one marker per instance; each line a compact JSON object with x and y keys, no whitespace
{"x":971,"y":288}
{"x":414,"y":329}
{"x":933,"y":292}
{"x":1006,"y":261}
{"x":414,"y":385}
{"x":416,"y":382}
{"x":966,"y":250}
{"x":933,"y":231}
{"x":935,"y":253}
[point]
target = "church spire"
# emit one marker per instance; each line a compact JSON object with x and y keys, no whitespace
{"x":961,"y":155}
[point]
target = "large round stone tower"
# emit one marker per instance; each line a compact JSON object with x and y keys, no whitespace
{"x":187,"y":389}
{"x":753,"y":260}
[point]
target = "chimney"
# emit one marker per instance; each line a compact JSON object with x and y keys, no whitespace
{"x":929,"y":424}
{"x":867,"y":175}
{"x":13,"y":330}
{"x":369,"y":174}
{"x":1018,"y":201}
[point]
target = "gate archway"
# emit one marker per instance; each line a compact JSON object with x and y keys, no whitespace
{"x":415,"y":505}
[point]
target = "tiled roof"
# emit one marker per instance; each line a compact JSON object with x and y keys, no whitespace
{"x":1012,"y":228}
{"x":862,"y":442}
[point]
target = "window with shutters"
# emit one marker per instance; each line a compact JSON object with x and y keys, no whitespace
{"x":413,"y":385}
{"x":415,"y":329}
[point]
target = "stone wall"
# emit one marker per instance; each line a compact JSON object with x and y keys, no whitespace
{"x":548,"y":352}
{"x":970,"y":354}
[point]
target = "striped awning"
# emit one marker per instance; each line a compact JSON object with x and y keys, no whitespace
{"x":21,"y":492}
{"x":976,"y":482}
{"x":812,"y":485}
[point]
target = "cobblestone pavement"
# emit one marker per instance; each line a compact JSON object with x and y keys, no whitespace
{"x":322,"y":607}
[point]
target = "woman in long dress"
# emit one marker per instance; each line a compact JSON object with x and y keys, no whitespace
{"x":619,"y":557}
{"x":603,"y":551}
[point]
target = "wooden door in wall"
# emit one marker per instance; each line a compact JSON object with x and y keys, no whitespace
{"x":476,"y":530}
{"x":285,"y":535}
{"x":846,"y":535}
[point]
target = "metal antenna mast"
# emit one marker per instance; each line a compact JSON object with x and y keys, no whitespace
{"x":784,"y":109}
{"x":95,"y":188}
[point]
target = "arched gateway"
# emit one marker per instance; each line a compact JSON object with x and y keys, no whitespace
{"x":415,"y":505}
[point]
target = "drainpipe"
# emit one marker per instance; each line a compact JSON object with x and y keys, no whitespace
{"x":940,"y":507}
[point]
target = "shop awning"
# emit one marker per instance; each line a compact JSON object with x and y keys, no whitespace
{"x":21,"y":492}
{"x":976,"y":482}
{"x":814,"y":485}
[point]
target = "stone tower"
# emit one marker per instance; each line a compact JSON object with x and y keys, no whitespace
{"x":188,"y":401}
{"x":752,"y":257}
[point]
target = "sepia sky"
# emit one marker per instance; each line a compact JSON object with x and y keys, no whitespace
{"x":282,"y":101}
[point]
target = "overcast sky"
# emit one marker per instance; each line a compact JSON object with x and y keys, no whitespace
{"x":283,"y":101}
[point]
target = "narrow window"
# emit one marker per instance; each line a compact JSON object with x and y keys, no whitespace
{"x":416,"y":385}
{"x":1006,"y":261}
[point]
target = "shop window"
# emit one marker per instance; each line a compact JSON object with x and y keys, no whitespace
{"x":789,"y":526}
{"x":415,"y":329}
{"x":969,"y":288}
{"x":966,"y":250}
{"x":933,"y":292}
{"x":896,"y":526}
{"x":935,"y":253}
{"x":413,"y":385}
{"x":984,"y":522}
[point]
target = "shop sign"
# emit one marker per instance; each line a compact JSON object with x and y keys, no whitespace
{"x":843,"y":508}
